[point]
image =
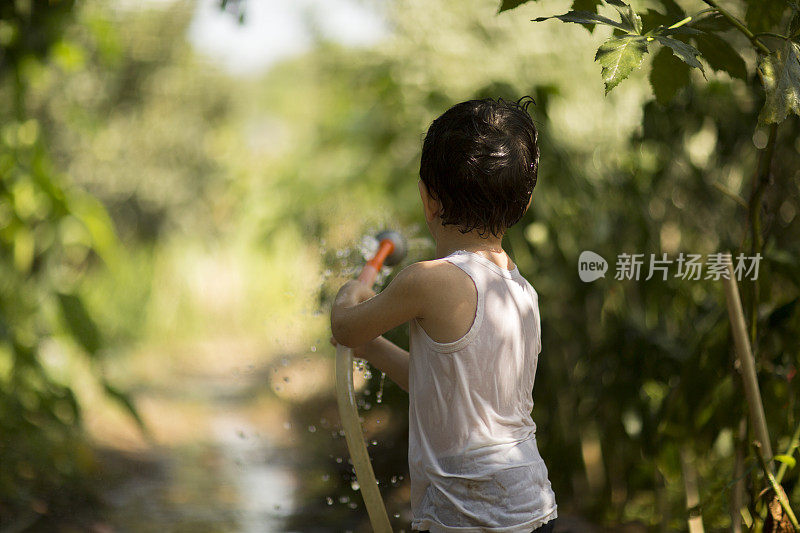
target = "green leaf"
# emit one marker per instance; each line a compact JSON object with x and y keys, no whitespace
{"x":788,"y":460}
{"x":667,"y":75}
{"x":780,"y":74}
{"x":652,"y":19}
{"x":584,"y":17}
{"x":673,"y":13}
{"x":79,"y":322}
{"x":629,"y":17}
{"x":673,"y":9}
{"x":764,"y":15}
{"x":127,"y":402}
{"x":721,"y":56}
{"x":680,"y":30}
{"x":782,"y":313}
{"x":586,"y":5}
{"x":794,"y":23}
{"x":686,"y":52}
{"x":712,"y":22}
{"x":619,"y":56}
{"x":511,"y":4}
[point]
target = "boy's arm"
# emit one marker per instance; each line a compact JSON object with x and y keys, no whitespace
{"x":357,"y":317}
{"x":387,"y":357}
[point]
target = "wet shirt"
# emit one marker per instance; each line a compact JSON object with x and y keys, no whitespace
{"x":473,"y":459}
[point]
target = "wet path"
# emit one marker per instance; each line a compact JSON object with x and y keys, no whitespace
{"x":219,"y":459}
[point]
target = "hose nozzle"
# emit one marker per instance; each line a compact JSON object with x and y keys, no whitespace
{"x":391,"y":250}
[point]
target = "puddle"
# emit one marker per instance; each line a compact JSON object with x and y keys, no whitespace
{"x":264,"y":486}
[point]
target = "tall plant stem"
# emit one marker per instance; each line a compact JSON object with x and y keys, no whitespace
{"x":746,"y":361}
{"x":779,"y":493}
{"x":737,"y":496}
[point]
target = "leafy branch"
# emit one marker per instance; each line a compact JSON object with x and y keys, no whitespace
{"x":622,"y":54}
{"x":624,"y":51}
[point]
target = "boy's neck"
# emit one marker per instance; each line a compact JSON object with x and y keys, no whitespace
{"x":449,"y":239}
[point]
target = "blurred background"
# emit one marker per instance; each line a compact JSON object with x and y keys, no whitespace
{"x":184,"y":185}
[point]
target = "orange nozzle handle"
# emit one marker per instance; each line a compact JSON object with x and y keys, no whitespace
{"x":370,"y":270}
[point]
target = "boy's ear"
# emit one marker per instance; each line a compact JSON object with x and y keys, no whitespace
{"x":431,"y":206}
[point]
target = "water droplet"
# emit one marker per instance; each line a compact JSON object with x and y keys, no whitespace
{"x":354,"y":485}
{"x":325,"y":477}
{"x":339,"y":460}
{"x":379,"y":395}
{"x":397,"y":515}
{"x":313,"y":348}
{"x":344,"y":499}
{"x":329,"y":500}
{"x":393,"y":480}
{"x":352,"y":505}
{"x":377,"y":420}
{"x":374,"y":442}
{"x":312,"y":429}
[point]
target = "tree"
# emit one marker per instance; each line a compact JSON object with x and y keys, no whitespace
{"x":772,"y":32}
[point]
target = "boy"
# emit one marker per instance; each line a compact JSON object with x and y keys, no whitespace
{"x":474,"y":330}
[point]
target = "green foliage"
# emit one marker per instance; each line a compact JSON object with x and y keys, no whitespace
{"x":720,"y":55}
{"x":51,"y":235}
{"x":619,"y":56}
{"x":622,"y":54}
{"x":336,"y":138}
{"x":780,"y":74}
{"x":80,"y":323}
{"x":667,"y":75}
{"x":685,"y":52}
{"x":764,"y":16}
{"x":585,"y":17}
{"x":511,"y":4}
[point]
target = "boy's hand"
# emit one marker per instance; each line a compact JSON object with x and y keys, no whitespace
{"x":358,"y":315}
{"x":358,"y":351}
{"x":353,"y":292}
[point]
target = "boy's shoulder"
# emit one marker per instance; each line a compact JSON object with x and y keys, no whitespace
{"x":432,"y":271}
{"x":436,"y":281}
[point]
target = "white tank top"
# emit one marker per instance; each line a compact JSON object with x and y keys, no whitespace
{"x":473,"y":460}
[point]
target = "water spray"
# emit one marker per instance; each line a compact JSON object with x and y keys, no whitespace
{"x":391,"y":250}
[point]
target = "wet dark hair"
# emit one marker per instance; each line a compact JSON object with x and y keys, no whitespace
{"x":480,"y":159}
